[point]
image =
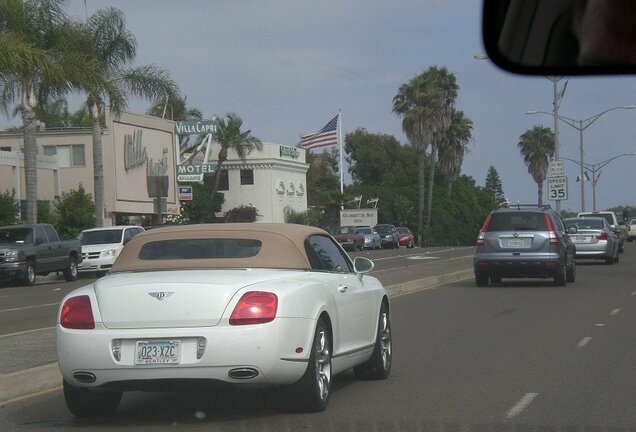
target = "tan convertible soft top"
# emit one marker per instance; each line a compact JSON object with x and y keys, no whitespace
{"x":282,"y":246}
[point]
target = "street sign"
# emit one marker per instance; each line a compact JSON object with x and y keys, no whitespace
{"x":185,"y":193}
{"x":558,"y":188}
{"x":557,"y":168}
{"x":191,"y":127}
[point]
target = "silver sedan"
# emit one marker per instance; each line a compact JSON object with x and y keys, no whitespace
{"x":594,"y":238}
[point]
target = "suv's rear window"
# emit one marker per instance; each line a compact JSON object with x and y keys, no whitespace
{"x":517,"y":221}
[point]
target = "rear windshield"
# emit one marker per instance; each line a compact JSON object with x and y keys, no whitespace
{"x":403,"y":230}
{"x":584,"y":224}
{"x":100,"y":237}
{"x":382,"y":229}
{"x":199,"y":249}
{"x":517,"y":221}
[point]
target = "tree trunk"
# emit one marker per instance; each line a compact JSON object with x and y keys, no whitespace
{"x":30,"y":150}
{"x":98,"y":166}
{"x":431,"y":180}
{"x":421,"y":188}
{"x":217,"y":174}
{"x":540,"y":193}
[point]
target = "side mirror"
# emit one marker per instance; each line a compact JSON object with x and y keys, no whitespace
{"x":362,"y":265}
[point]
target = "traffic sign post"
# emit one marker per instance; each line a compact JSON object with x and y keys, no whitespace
{"x":558,"y":188}
{"x":557,"y":168}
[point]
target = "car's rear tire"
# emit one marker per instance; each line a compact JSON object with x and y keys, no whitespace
{"x":378,"y":367}
{"x":561,"y":277}
{"x":610,"y":260}
{"x":82,"y":402}
{"x":571,"y":273}
{"x":311,"y":392}
{"x":481,"y":279}
{"x":70,"y":272}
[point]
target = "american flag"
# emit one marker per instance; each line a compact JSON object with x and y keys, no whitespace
{"x":326,"y":136}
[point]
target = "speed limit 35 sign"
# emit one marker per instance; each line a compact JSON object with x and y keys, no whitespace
{"x":557,"y":188}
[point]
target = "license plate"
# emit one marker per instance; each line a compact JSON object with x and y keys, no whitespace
{"x":149,"y":352}
{"x":515,"y":243}
{"x":580,"y":238}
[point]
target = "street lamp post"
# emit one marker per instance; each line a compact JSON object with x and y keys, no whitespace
{"x":593,"y":169}
{"x":580,"y":125}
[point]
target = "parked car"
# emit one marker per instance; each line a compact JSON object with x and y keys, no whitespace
{"x":349,"y":237}
{"x":406,"y":237}
{"x":36,"y":249}
{"x":100,"y":246}
{"x":631,"y":230}
{"x":388,"y":235}
{"x":524,"y":241}
{"x":371,"y":237}
{"x":178,"y":307}
{"x":613,"y":222}
{"x":594,"y":238}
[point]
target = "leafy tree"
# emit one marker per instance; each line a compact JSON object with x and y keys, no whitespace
{"x":536,"y":146}
{"x":323,"y":186}
{"x":229,"y":136}
{"x":494,"y":186}
{"x":38,"y":61}
{"x":113,"y":48}
{"x":9,"y":208}
{"x":311,"y":217}
{"x":242,"y":213}
{"x":453,"y":147}
{"x":204,"y":204}
{"x":75,"y":212}
{"x":176,"y":109}
{"x":45,"y":215}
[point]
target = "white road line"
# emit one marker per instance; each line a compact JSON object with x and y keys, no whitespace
{"x":599,"y":325}
{"x":30,"y":307}
{"x":25,"y":332}
{"x":614,"y":312}
{"x":521,"y":405}
{"x":586,"y":340}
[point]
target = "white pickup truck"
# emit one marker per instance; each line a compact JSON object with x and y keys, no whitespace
{"x":631,"y":233}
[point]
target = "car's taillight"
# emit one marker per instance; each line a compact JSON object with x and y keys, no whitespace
{"x":482,"y":232}
{"x":77,"y":313}
{"x":255,"y":307}
{"x":554,"y":241}
{"x":602,"y":236}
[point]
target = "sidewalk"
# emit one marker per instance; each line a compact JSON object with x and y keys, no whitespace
{"x":29,"y":365}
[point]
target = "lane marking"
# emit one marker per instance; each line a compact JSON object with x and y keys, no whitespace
{"x":521,"y":405}
{"x":586,"y":340}
{"x":30,"y":307}
{"x":599,"y":325}
{"x":30,"y":395}
{"x":26,"y":332}
{"x":634,"y":293}
{"x":614,"y":312}
{"x":420,"y":257}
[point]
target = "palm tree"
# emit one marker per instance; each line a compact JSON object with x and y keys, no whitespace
{"x":113,"y":47}
{"x":176,"y":109}
{"x":425,"y":105}
{"x":37,"y":62}
{"x":454,"y":146}
{"x":229,"y":136}
{"x":537,"y":145}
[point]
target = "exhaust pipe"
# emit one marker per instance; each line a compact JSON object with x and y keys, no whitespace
{"x":242,"y":373}
{"x":84,"y":377}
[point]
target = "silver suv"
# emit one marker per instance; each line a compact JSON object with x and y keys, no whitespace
{"x":524,"y":241}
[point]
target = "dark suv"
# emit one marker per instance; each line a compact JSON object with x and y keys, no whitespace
{"x":524,"y":241}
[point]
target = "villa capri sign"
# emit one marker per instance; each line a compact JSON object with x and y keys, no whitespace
{"x":194,"y":127}
{"x":187,"y":171}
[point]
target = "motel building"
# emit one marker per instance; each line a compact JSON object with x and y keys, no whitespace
{"x":138,"y":148}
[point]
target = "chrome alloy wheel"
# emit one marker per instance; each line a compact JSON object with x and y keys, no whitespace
{"x":385,"y":341}
{"x":323,"y":364}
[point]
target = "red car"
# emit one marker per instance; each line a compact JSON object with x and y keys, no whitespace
{"x":406,"y":237}
{"x":349,"y":237}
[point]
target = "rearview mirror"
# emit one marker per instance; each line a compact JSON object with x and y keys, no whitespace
{"x":567,"y":37}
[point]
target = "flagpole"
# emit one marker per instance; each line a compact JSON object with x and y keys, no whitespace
{"x":340,"y":149}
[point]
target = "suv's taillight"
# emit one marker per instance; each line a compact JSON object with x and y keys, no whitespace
{"x":554,"y":241}
{"x":482,"y":232}
{"x":602,"y":236}
{"x":255,"y":307}
{"x":77,"y":313}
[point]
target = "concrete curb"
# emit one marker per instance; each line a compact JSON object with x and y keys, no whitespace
{"x":46,"y":377}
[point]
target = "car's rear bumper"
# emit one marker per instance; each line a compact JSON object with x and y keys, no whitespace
{"x":529,"y":268}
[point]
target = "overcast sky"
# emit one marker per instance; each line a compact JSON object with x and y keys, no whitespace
{"x":286,"y":67}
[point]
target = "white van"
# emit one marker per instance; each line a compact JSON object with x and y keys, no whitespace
{"x":100,"y":246}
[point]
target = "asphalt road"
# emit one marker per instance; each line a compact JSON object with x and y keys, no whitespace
{"x":520,"y":356}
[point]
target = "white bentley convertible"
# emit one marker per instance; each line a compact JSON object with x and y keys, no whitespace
{"x":239,"y":303}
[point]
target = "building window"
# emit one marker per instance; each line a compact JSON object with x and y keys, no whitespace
{"x":247,"y":177}
{"x":224,"y":183}
{"x":68,"y":156}
{"x":5,"y":148}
